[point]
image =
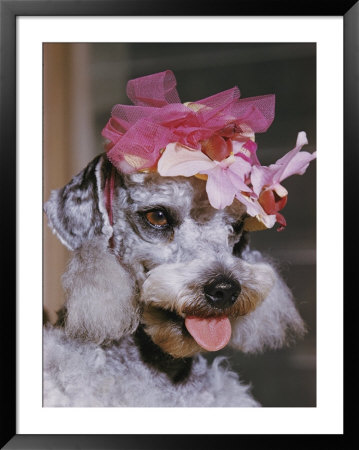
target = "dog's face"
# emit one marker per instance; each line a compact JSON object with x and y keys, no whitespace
{"x":180,"y":250}
{"x":190,"y":284}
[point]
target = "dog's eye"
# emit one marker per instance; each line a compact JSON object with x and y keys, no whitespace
{"x":157,"y":218}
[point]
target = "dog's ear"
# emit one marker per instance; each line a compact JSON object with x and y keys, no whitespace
{"x":274,"y":323}
{"x":101,"y":296}
{"x":77,"y":211}
{"x":101,"y":301}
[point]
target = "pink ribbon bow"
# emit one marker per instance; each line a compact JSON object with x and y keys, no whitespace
{"x":138,"y":133}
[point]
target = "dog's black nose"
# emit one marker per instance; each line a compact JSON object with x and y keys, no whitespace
{"x":222,"y":292}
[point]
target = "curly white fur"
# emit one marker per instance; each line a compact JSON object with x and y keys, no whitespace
{"x":84,"y":374}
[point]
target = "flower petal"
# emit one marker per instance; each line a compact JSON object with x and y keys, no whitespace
{"x":254,"y":209}
{"x":297,"y":165}
{"x":262,"y":176}
{"x":282,"y":222}
{"x":237,"y":173}
{"x":267,"y":201}
{"x":294,"y":162}
{"x":219,"y":188}
{"x":178,"y":160}
{"x":216,"y":147}
{"x":280,"y":190}
{"x":246,"y":150}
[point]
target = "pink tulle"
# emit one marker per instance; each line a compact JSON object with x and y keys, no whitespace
{"x":153,"y":90}
{"x":138,"y":133}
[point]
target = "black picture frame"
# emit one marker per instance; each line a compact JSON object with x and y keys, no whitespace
{"x":9,"y":11}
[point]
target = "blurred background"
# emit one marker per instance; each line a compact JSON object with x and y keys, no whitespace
{"x":81,"y":84}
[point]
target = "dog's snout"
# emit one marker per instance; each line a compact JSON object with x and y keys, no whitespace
{"x":222,"y":292}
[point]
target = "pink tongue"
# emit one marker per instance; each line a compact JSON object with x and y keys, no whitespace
{"x":212,"y":333}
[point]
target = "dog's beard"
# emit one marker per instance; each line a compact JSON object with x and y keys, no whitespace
{"x":179,"y":319}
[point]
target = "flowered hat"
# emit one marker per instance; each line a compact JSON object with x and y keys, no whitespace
{"x":212,"y":139}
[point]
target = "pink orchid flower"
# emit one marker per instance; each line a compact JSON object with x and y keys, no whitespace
{"x":264,"y":219}
{"x":272,"y":196}
{"x":225,"y":178}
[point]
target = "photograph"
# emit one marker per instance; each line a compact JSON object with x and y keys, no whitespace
{"x":179,"y":224}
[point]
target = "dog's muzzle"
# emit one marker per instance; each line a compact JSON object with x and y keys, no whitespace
{"x":213,"y":333}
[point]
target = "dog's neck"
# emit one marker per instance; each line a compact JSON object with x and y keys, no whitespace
{"x":177,"y":369}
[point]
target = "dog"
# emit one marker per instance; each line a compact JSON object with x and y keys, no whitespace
{"x":157,"y":278}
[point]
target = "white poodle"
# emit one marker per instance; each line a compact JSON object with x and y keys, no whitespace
{"x":157,"y":276}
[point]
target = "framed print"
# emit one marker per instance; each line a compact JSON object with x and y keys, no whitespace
{"x":63,"y":70}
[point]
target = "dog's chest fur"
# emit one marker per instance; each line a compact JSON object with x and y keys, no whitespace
{"x":85,"y":375}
